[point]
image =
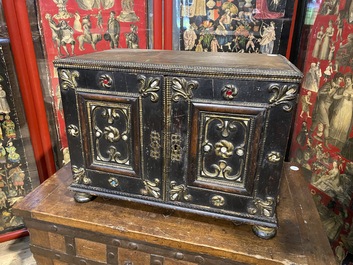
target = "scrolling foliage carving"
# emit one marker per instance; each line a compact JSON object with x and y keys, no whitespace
{"x":285,"y":95}
{"x":223,"y":148}
{"x":111,"y":127}
{"x":183,"y":89}
{"x":149,"y":86}
{"x":68,"y":79}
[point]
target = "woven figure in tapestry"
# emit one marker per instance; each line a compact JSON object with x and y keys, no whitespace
{"x":113,"y":31}
{"x":323,"y":104}
{"x":132,"y":40}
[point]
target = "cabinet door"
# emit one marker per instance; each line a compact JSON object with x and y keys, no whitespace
{"x":117,"y":150}
{"x":224,"y":140}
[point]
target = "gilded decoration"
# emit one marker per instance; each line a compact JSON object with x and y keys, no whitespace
{"x":285,"y":95}
{"x":221,"y":170}
{"x":183,"y":89}
{"x":111,"y":127}
{"x":218,"y":201}
{"x":79,"y":175}
{"x":229,"y":92}
{"x":151,"y":188}
{"x":113,"y":182}
{"x":110,"y":114}
{"x":111,"y":134}
{"x":149,"y":87}
{"x":176,"y":147}
{"x":274,"y":157}
{"x":155,"y":145}
{"x":262,"y":207}
{"x":105,"y":81}
{"x":68,"y":79}
{"x":223,"y":147}
{"x":227,"y":127}
{"x":178,"y":192}
{"x":72,"y":130}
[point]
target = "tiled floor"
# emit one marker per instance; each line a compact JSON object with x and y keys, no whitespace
{"x":16,"y":252}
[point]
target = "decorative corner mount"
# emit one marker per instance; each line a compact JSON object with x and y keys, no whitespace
{"x":151,"y":188}
{"x":262,"y":207}
{"x":283,"y":95}
{"x":68,"y":78}
{"x":79,"y":175}
{"x":149,"y":86}
{"x":178,"y":192}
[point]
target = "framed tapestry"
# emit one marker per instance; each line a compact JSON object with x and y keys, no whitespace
{"x":75,"y":27}
{"x":18,"y":173}
{"x":323,"y":133}
{"x":243,"y":26}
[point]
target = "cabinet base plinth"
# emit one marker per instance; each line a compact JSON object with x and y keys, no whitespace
{"x":82,"y":197}
{"x":264,"y":232}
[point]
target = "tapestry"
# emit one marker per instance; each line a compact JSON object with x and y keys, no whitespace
{"x":250,"y":26}
{"x":76,"y":27}
{"x":15,"y":176}
{"x":323,"y":134}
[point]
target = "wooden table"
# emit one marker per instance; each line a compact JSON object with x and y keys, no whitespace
{"x":117,"y":232}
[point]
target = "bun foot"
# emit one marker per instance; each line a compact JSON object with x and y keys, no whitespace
{"x":83,"y":197}
{"x":264,"y":232}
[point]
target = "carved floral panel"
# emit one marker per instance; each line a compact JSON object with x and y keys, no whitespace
{"x":110,"y":134}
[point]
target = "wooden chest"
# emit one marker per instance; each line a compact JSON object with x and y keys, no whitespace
{"x":202,"y":133}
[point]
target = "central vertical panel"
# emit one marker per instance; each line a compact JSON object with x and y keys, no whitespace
{"x":180,"y":94}
{"x":151,"y":101}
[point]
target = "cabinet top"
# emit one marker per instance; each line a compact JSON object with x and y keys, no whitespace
{"x":231,"y":65}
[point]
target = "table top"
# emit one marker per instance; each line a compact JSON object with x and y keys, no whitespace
{"x":232,"y":65}
{"x":300,"y":238}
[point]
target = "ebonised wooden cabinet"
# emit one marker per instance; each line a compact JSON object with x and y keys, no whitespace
{"x":204,"y":133}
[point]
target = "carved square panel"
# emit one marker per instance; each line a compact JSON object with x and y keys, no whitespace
{"x":224,"y":139}
{"x":111,"y":133}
